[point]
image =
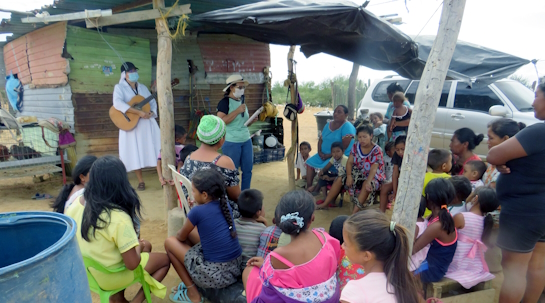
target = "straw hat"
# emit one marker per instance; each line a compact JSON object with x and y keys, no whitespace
{"x":235,"y":78}
{"x":211,"y":129}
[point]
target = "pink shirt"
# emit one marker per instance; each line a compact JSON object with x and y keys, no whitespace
{"x":369,"y":289}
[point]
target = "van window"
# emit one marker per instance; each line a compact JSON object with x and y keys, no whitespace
{"x":521,"y":97}
{"x":380,"y":95}
{"x":476,"y":98}
{"x":411,"y":93}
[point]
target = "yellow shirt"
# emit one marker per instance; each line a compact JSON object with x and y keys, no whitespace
{"x":428,"y":177}
{"x":110,"y":242}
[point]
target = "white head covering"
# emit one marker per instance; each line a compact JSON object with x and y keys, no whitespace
{"x":122,"y":79}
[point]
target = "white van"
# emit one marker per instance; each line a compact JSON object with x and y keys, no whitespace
{"x":461,"y":106}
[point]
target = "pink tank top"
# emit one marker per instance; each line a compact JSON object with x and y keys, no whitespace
{"x":303,"y":275}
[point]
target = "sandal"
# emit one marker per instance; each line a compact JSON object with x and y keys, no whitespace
{"x":182,"y":297}
{"x":320,"y":202}
{"x":178,"y":288}
{"x":141,"y":186}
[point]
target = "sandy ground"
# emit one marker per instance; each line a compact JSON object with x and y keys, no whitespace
{"x":270,"y":178}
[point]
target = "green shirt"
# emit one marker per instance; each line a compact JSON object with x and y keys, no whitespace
{"x":236,"y":131}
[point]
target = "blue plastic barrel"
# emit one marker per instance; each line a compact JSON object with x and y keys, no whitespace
{"x":40,"y":259}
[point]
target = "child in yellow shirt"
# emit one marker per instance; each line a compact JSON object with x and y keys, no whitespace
{"x":440,"y":162}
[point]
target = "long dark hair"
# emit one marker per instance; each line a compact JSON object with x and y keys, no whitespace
{"x":108,"y":189}
{"x":488,"y":202}
{"x":506,"y":127}
{"x":295,"y":204}
{"x":468,"y":135}
{"x":82,"y":168}
{"x":370,"y":231}
{"x":440,"y":192}
{"x":212,"y":182}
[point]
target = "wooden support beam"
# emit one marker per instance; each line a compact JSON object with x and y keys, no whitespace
{"x":137,"y":16}
{"x":291,"y":152}
{"x":426,"y":102}
{"x":165,"y":101}
{"x":132,"y":5}
{"x":67,"y":17}
{"x":352,"y":83}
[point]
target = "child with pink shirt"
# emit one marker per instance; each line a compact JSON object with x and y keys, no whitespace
{"x":382,"y":247}
{"x":305,"y":269}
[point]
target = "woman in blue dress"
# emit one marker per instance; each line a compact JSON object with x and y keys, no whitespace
{"x":337,"y":130}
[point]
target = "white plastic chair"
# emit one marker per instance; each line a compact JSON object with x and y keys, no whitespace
{"x":180,"y":180}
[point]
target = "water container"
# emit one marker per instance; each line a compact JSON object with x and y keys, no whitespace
{"x":40,"y":260}
{"x":322,"y":118}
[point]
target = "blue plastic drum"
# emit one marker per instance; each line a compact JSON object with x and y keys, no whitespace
{"x":40,"y":260}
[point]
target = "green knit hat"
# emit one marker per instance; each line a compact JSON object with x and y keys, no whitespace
{"x":211,"y":129}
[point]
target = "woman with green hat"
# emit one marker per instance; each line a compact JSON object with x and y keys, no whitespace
{"x":211,"y":133}
{"x":233,"y":111}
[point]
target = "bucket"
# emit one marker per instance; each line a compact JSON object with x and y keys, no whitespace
{"x":322,"y":118}
{"x":40,"y":260}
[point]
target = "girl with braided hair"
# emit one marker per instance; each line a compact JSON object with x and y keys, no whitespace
{"x":215,"y":261}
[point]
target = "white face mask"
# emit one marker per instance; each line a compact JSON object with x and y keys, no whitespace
{"x":238,"y":92}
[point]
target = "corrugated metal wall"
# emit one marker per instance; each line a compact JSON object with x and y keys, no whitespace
{"x":95,"y":68}
{"x":37,"y":57}
{"x":45,"y":103}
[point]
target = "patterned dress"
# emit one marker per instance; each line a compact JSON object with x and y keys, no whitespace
{"x":361,"y":169}
{"x":190,"y":167}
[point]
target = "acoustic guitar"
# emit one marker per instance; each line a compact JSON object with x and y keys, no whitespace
{"x":127,"y":121}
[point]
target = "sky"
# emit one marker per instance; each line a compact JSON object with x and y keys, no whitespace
{"x":513,"y":27}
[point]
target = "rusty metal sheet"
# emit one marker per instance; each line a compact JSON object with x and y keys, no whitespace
{"x":16,"y":59}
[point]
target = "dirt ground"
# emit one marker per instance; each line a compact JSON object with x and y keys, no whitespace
{"x":270,"y":178}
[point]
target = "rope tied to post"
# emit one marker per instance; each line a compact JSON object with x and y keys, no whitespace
{"x":182,"y":22}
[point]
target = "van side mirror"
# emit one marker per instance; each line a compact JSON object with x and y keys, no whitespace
{"x":497,"y":111}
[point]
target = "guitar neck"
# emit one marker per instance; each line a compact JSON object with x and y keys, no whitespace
{"x":146,"y":101}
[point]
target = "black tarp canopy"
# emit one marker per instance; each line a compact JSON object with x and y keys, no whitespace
{"x":349,"y":31}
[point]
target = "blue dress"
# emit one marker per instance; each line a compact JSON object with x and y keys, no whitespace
{"x":328,"y":138}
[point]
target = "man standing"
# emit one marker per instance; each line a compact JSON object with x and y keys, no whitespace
{"x":139,"y":147}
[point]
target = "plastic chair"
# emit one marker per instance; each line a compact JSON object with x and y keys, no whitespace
{"x":180,"y":180}
{"x":106,"y":294}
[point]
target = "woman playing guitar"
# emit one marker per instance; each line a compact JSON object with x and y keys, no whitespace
{"x":140,"y":146}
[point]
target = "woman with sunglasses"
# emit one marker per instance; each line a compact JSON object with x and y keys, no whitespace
{"x":233,"y":111}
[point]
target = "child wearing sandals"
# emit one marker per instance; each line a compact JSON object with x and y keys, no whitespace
{"x":468,"y":266}
{"x":382,"y":248}
{"x":213,"y":258}
{"x":440,"y":234}
{"x":304,"y":269}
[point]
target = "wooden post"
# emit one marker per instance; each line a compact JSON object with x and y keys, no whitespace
{"x":291,"y":153}
{"x":352,"y":82}
{"x":166,"y":105}
{"x":426,"y":102}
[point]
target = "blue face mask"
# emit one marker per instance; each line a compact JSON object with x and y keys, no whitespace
{"x":133,"y":77}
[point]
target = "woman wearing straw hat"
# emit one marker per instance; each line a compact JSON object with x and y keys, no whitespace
{"x":233,"y":111}
{"x":211,"y":133}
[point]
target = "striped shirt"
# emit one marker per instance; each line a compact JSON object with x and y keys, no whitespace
{"x":248,"y":236}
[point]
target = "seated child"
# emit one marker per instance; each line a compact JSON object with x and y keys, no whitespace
{"x":300,"y":164}
{"x":214,"y":258}
{"x":440,"y":163}
{"x":386,"y":188}
{"x":399,"y":124}
{"x":421,"y":225}
{"x":347,"y":270}
{"x":474,"y":171}
{"x":381,"y":247}
{"x":463,"y":189}
{"x":251,"y":223}
{"x":268,"y":240}
{"x":380,"y":136}
{"x":106,"y":215}
{"x":389,"y":151}
{"x":440,"y":234}
{"x":338,"y":162}
{"x":69,"y":192}
{"x":292,"y":270}
{"x":468,"y":266}
{"x":180,"y":135}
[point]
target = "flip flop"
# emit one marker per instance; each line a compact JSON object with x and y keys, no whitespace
{"x":320,"y":202}
{"x":332,"y":205}
{"x":141,"y":186}
{"x":41,"y":197}
{"x":178,"y":288}
{"x":182,"y":297}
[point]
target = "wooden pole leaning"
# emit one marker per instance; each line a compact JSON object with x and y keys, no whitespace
{"x":166,"y":105}
{"x":291,"y":83}
{"x":411,"y":180}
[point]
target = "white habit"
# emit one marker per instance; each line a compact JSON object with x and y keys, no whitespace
{"x":139,"y":147}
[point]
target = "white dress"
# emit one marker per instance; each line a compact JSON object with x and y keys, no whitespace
{"x":139,"y":147}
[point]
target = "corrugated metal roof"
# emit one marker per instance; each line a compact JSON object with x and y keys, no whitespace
{"x":230,"y":53}
{"x":95,"y":67}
